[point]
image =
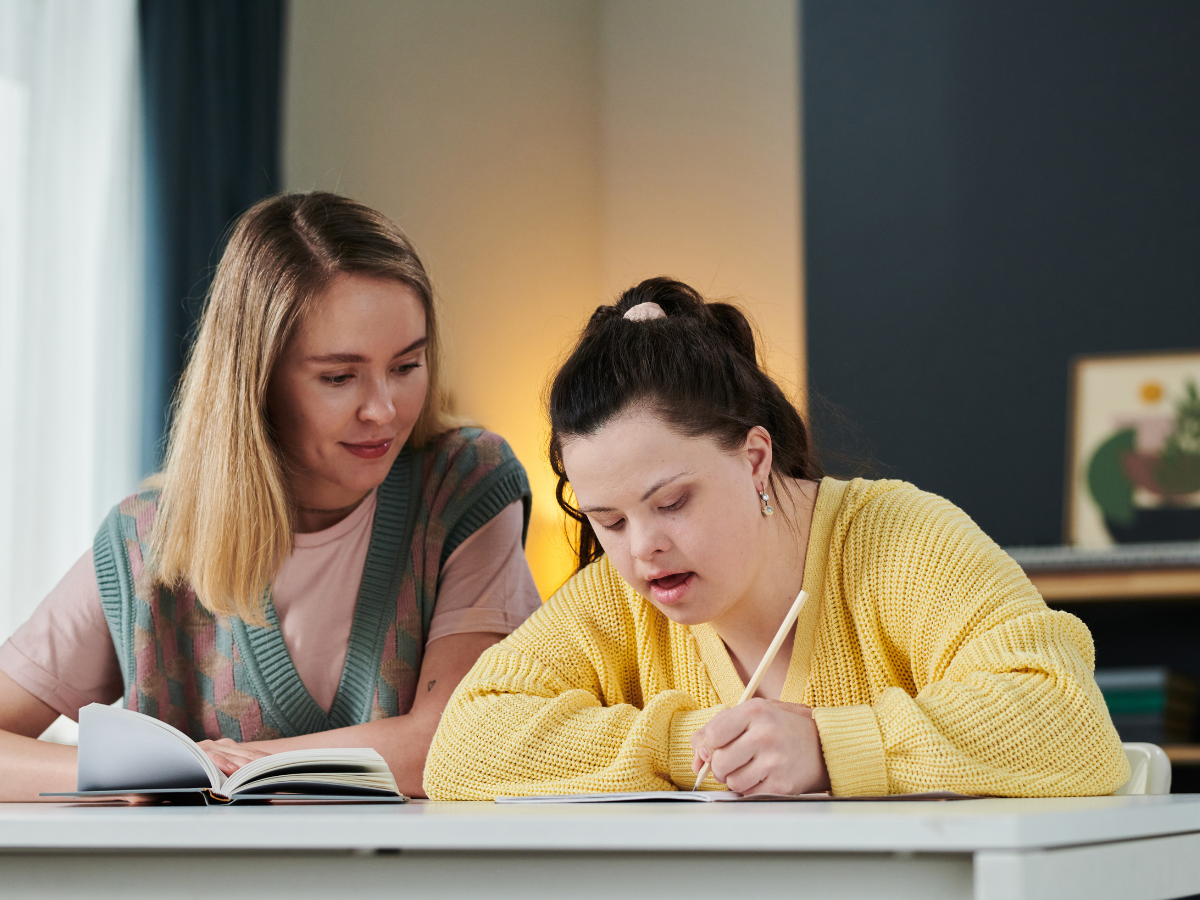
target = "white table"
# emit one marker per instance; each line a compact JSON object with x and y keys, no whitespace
{"x":1119,"y":847}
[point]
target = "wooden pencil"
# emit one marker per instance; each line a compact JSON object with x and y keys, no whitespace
{"x":764,"y":664}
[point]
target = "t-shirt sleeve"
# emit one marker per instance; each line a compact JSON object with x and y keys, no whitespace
{"x":64,"y":654}
{"x":486,"y":585}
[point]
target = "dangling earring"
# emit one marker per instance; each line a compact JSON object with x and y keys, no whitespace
{"x":767,"y":509}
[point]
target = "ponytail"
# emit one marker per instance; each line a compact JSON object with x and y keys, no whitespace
{"x":696,"y":367}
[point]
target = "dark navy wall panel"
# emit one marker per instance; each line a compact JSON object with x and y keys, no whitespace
{"x":991,"y":188}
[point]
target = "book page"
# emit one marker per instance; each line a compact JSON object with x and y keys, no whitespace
{"x":351,"y":767}
{"x":124,"y":750}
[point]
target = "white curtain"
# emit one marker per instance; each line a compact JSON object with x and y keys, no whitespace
{"x":70,"y":284}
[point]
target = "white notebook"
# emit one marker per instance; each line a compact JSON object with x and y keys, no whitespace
{"x":722,"y":797}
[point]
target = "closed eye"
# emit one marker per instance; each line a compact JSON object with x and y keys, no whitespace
{"x":615,"y":526}
{"x":336,"y":379}
{"x":674,"y":507}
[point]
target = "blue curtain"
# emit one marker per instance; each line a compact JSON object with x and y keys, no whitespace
{"x":211,"y":73}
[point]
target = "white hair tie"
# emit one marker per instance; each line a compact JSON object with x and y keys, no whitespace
{"x":644,"y":312}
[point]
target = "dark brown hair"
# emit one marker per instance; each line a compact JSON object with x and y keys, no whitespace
{"x":697,"y":369}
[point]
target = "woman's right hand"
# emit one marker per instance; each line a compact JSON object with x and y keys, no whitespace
{"x":229,"y":755}
{"x":763,"y":747}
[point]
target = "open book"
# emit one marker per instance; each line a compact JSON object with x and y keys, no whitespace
{"x":719,"y":797}
{"x":122,"y":752}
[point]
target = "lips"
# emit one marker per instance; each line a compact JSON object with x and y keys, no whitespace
{"x":673,"y":587}
{"x":369,"y":450}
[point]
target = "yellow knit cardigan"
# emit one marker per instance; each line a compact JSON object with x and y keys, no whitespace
{"x":928,"y":657}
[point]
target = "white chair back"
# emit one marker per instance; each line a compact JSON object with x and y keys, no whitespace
{"x":1150,"y":770}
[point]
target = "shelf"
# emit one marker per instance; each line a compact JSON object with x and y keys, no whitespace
{"x":1183,"y":754}
{"x":1129,"y":584}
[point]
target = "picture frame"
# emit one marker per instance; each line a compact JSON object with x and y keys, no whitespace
{"x":1133,"y":449}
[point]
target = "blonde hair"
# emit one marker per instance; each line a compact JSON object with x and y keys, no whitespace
{"x":225,"y":514}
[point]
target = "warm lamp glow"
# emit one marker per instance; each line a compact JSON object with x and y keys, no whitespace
{"x":543,"y":164}
{"x":547,"y":549}
{"x":503,"y":392}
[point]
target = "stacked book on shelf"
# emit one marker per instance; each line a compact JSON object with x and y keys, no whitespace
{"x":1150,"y":704}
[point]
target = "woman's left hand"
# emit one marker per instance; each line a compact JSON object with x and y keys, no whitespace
{"x":230,"y":755}
{"x":763,"y":747}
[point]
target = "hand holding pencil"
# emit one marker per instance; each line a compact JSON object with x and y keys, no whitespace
{"x":767,"y":745}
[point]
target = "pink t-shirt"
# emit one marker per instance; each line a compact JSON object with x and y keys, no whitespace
{"x":64,"y":654}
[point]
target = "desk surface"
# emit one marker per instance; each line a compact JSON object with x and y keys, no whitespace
{"x":960,"y":826}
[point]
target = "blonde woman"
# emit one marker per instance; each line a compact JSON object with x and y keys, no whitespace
{"x":324,"y":555}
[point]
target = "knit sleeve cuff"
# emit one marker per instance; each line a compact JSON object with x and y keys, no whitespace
{"x":684,"y":724}
{"x":853,"y":748}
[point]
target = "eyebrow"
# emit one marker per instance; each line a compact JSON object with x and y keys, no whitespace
{"x":358,"y":358}
{"x":657,"y":486}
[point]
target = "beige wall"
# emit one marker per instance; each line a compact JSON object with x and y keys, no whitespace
{"x":545,"y":154}
{"x":701,"y":157}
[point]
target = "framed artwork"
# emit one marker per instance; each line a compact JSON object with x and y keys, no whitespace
{"x":1133,"y":463}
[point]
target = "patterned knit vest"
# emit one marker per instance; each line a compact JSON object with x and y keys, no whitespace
{"x":214,"y":676}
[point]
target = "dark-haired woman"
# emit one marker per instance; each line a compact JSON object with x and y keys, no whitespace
{"x":923,"y":659}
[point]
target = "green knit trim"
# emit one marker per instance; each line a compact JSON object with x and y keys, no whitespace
{"x":280,"y":692}
{"x":270,"y":666}
{"x":389,"y":556}
{"x":115,"y":580}
{"x":503,"y":486}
